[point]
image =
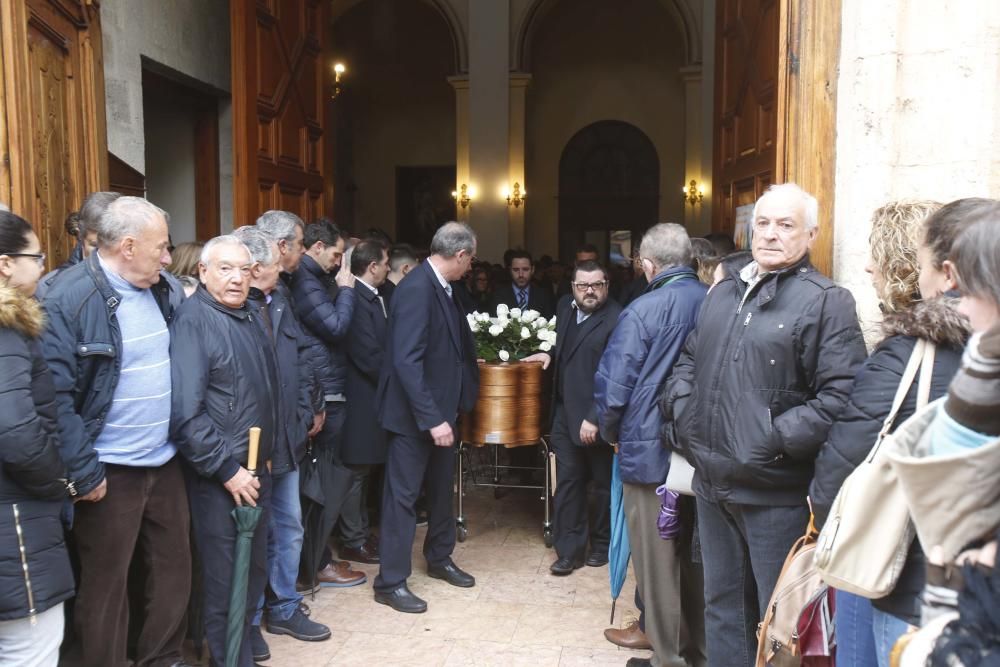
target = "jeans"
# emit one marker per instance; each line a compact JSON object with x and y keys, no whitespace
{"x":855,"y":636}
{"x":25,"y":643}
{"x":284,"y":546}
{"x":743,"y":549}
{"x":865,"y":635}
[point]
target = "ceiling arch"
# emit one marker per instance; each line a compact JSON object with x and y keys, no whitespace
{"x":684,"y":16}
{"x":447,"y":12}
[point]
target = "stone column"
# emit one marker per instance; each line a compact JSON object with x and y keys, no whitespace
{"x":695,"y":217}
{"x":489,"y":127}
{"x":515,"y":162}
{"x":462,"y":172}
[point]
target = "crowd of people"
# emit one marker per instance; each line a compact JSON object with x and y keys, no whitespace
{"x":135,"y":374}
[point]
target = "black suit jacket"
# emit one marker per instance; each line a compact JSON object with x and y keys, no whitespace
{"x":429,"y":374}
{"x":364,"y":440}
{"x":539,"y":298}
{"x":575,"y":362}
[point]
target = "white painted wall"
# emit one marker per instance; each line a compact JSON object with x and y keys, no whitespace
{"x":189,"y":36}
{"x":918,"y":116}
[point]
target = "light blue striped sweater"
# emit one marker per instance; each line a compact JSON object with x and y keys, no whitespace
{"x":137,"y":425}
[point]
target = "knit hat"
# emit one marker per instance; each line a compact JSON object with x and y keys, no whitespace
{"x":974,"y":394}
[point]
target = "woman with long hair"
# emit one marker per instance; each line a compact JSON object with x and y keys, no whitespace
{"x":867,"y":629}
{"x":35,"y":575}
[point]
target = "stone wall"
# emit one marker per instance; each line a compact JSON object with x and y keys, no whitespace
{"x":190,"y":37}
{"x":918,"y":116}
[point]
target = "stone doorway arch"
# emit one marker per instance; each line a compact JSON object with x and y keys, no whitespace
{"x":609,"y":180}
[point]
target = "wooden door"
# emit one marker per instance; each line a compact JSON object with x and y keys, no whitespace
{"x":775,"y":107}
{"x":52,"y":126}
{"x":279,"y":88}
{"x":746,"y":87}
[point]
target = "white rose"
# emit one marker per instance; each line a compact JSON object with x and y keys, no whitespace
{"x":529,"y":315}
{"x":552,"y":322}
{"x":504,"y":355}
{"x":496,"y":330}
{"x":539,"y":323}
{"x":483,"y":317}
{"x":502,"y":310}
{"x":543,"y":334}
{"x":503,"y":321}
{"x":545,"y":347}
{"x":515,"y":313}
{"x":525,"y":333}
{"x":471,"y":319}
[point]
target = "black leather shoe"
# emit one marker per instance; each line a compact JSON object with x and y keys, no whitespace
{"x":452,"y":574}
{"x":564,"y":566}
{"x":638,"y":662}
{"x":401,"y":599}
{"x":597,"y":559}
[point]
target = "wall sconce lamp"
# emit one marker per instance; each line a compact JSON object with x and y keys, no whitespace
{"x":516,"y":196}
{"x":464,"y":195}
{"x":338,"y":71}
{"x":693,"y":193}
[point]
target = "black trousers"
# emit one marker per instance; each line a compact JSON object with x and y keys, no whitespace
{"x":414,"y":462}
{"x":215,"y":535}
{"x":145,"y":516}
{"x":575,"y":467}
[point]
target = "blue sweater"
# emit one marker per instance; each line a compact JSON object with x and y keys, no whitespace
{"x":137,"y":425}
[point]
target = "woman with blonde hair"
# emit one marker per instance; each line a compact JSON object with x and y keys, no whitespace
{"x":867,"y":629}
{"x":184,"y":265}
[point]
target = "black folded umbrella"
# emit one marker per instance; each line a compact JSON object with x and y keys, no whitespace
{"x":324,"y":483}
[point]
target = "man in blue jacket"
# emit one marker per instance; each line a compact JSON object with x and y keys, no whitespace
{"x":639,"y":358}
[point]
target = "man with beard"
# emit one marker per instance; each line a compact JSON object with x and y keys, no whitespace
{"x":584,"y":325}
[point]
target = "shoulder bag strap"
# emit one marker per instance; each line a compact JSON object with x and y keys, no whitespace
{"x":914,"y":363}
{"x":926,"y":371}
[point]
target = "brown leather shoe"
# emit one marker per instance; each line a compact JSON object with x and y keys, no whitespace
{"x":339,"y":574}
{"x":366,"y":553}
{"x":628,"y":637}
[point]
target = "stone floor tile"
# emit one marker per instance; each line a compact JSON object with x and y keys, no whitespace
{"x":598,"y":657}
{"x":494,"y":654}
{"x":567,"y":626}
{"x":367,"y":649}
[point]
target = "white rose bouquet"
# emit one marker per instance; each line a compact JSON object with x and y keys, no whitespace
{"x":512,"y":335}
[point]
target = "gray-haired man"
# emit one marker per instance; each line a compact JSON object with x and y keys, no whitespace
{"x":108,"y":347}
{"x":751,"y":401}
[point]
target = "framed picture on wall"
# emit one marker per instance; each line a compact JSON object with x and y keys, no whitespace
{"x":423,"y":202}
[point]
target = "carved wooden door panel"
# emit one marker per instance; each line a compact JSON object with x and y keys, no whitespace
{"x":746,"y":119}
{"x":278,"y":96}
{"x":53,"y":121}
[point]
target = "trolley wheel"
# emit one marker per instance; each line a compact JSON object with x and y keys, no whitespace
{"x":547,"y":536}
{"x":462,"y":533}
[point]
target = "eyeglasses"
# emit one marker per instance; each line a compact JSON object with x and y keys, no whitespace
{"x":586,"y":287}
{"x":37,"y":256}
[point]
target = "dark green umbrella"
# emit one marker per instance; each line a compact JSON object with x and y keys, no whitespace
{"x":246,"y":519}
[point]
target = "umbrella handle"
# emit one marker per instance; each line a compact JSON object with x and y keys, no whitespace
{"x":252,"y":451}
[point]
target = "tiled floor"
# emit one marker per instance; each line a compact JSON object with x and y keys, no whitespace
{"x":517,"y":614}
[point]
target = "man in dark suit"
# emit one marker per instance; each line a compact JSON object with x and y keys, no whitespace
{"x":428,"y":377}
{"x":521,"y":293}
{"x":364,"y":441}
{"x":583,"y":327}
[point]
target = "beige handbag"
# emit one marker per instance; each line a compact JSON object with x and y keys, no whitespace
{"x":863,"y":545}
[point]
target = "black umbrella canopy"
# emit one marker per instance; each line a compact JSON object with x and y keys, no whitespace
{"x":324,"y":483}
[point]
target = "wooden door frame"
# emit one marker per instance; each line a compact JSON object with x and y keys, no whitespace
{"x":808,"y":66}
{"x":17,"y":174}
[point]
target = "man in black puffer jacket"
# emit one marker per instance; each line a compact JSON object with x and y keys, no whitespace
{"x":751,"y":400}
{"x":225,"y":381}
{"x":325,"y":311}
